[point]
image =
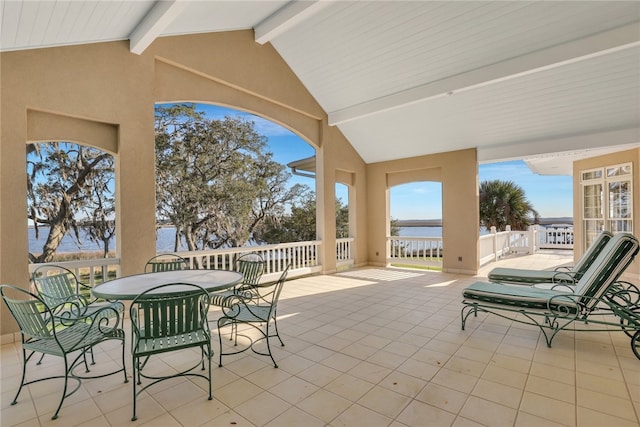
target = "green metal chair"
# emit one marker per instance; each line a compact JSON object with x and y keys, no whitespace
{"x":66,"y":295}
{"x":166,"y":262}
{"x":43,"y":331}
{"x":251,"y":266}
{"x":257,"y":309}
{"x":169,"y":318}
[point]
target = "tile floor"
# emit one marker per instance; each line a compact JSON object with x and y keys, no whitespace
{"x":369,"y":347}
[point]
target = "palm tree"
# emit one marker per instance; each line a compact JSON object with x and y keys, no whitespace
{"x":504,"y":203}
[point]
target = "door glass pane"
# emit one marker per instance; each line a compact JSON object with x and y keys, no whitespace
{"x":620,"y":199}
{"x":591,"y":230}
{"x":619,"y":225}
{"x":593,"y":201}
{"x":591,"y":175}
{"x":619,"y":170}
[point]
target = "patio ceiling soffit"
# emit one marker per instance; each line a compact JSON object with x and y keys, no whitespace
{"x":618,"y":39}
{"x":163,"y":13}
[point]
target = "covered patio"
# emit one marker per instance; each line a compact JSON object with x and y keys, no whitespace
{"x":373,"y":347}
{"x":387,"y":93}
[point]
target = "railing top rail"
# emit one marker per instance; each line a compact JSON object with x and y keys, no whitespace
{"x":260,"y":248}
{"x":80,"y":263}
{"x":417,"y":238}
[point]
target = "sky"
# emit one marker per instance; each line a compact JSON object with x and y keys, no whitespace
{"x":551,"y":196}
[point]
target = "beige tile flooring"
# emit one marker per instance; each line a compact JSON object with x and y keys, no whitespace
{"x":368,"y":347}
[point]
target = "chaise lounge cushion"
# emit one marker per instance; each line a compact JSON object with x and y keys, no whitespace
{"x":517,"y":296}
{"x":528,"y":277}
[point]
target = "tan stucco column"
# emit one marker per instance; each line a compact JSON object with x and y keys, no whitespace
{"x":325,"y":205}
{"x":13,"y":201}
{"x":135,"y":204}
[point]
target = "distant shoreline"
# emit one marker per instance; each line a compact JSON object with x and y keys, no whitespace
{"x":438,"y":222}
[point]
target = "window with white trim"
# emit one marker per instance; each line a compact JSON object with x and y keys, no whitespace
{"x":607,"y":200}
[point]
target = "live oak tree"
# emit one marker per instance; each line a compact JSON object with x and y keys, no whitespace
{"x":215,"y":181}
{"x":504,"y":203}
{"x":299,"y":225}
{"x":64,"y":181}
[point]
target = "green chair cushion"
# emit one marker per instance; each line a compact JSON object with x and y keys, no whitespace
{"x":517,"y":296}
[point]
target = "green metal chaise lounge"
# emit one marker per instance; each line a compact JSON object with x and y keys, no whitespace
{"x":519,"y":276}
{"x":597,"y":298}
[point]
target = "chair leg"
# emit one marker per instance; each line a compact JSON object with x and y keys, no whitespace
{"x":209,"y":356}
{"x":25,"y":359}
{"x":140,"y":366}
{"x":275,"y":325}
{"x":275,"y":365}
{"x":93,"y":361}
{"x":135,"y":367}
{"x":220,"y":340}
{"x":64,"y":389}
{"x":124,"y":367}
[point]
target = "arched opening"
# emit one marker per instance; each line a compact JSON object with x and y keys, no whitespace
{"x":415,"y":210}
{"x":222,"y":180}
{"x":343,"y":225}
{"x":71,"y":168}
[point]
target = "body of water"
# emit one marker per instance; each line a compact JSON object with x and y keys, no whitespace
{"x":166,"y":239}
{"x":164,"y":243}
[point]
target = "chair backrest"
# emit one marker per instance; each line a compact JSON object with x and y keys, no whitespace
{"x":29,"y":311}
{"x":55,"y":284}
{"x":170,"y":310}
{"x":252,"y":267}
{"x":166,"y":262}
{"x":278,"y":289}
{"x":591,"y":253}
{"x":605,"y":270}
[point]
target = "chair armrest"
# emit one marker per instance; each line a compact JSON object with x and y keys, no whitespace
{"x":73,"y":306}
{"x":624,"y":294}
{"x":564,"y":277}
{"x":86,"y":330}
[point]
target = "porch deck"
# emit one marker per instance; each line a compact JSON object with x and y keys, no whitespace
{"x":373,"y":347}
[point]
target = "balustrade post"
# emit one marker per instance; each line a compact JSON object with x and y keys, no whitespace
{"x":532,"y":239}
{"x":493,"y":231}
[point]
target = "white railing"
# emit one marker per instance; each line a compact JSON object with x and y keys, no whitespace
{"x":344,"y":256}
{"x":556,"y":238}
{"x":495,"y":245}
{"x":426,"y":251}
{"x":89,"y":271}
{"x":303,"y":257}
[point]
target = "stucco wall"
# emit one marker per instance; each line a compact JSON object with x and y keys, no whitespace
{"x":632,"y":156}
{"x":103,"y":95}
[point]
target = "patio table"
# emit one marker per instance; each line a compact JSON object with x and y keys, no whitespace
{"x":128,"y":287}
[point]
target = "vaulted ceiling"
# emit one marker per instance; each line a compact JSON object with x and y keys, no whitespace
{"x":544,"y":81}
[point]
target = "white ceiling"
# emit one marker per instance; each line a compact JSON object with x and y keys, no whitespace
{"x":544,"y":81}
